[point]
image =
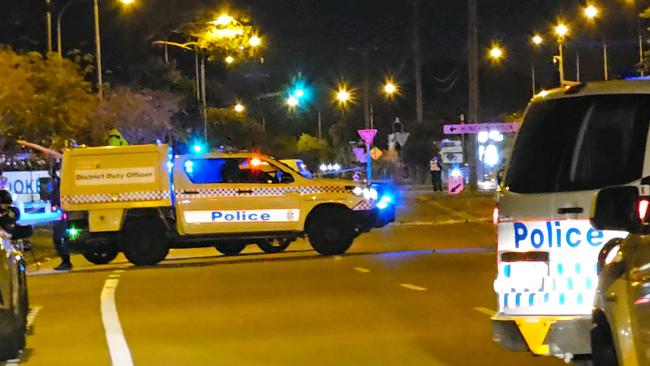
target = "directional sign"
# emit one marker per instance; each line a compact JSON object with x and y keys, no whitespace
{"x":473,"y":128}
{"x":376,"y":153}
{"x":455,"y":183}
{"x":367,"y":135}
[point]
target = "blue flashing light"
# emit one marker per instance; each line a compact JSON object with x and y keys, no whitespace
{"x":382,"y":205}
{"x":197,"y":148}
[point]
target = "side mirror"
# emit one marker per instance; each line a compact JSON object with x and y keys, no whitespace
{"x":616,"y":209}
{"x":286,"y":178}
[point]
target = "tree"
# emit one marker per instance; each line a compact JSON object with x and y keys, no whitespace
{"x":44,"y":100}
{"x":229,"y":128}
{"x":142,"y":115}
{"x":311,"y":148}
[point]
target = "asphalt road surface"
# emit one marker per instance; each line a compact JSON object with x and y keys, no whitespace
{"x":416,"y":293}
{"x":396,"y":308}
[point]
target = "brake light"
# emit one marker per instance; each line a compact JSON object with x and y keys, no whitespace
{"x":643,"y":208}
{"x":495,"y":216}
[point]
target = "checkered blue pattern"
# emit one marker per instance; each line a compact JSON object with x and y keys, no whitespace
{"x":120,"y":197}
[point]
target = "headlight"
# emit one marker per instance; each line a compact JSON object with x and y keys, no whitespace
{"x":367,"y":193}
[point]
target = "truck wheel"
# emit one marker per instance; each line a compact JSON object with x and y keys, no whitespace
{"x":144,"y":242}
{"x":12,"y":336}
{"x":331,"y":231}
{"x":230,"y":248}
{"x":271,"y":246}
{"x":100,"y":251}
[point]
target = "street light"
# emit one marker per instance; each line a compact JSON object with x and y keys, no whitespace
{"x":537,"y":41}
{"x":342,"y":96}
{"x":229,"y":60}
{"x":239,"y":108}
{"x":561,"y":30}
{"x":390,"y":89}
{"x":255,"y":41}
{"x":496,"y":53}
{"x":591,"y":12}
{"x":292,"y":102}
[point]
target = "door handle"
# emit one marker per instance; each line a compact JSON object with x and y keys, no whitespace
{"x":570,"y":210}
{"x":245,"y":191}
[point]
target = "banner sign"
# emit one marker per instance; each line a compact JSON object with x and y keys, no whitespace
{"x":473,"y":128}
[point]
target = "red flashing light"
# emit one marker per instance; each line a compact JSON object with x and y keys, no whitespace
{"x":495,"y":216}
{"x":643,"y":208}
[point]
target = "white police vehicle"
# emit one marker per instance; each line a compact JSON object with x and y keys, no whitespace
{"x":574,"y":141}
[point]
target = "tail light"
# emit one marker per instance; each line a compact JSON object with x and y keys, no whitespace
{"x":643,"y":208}
{"x":495,"y":215}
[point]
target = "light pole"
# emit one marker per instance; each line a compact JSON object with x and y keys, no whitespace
{"x":537,"y":41}
{"x":561,"y":31}
{"x":59,"y":48}
{"x":98,"y":46}
{"x":591,"y":12}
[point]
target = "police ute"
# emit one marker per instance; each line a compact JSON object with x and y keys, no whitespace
{"x":574,"y":141}
{"x":143,"y":200}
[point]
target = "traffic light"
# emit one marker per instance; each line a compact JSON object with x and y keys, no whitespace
{"x":300,"y":93}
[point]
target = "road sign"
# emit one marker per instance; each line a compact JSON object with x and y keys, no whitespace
{"x":359,"y":154}
{"x":452,"y":158}
{"x":473,"y":128}
{"x":402,"y":137}
{"x":376,"y":153}
{"x":367,"y":135}
{"x":455,"y":183}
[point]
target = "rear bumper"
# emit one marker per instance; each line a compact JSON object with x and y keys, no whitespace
{"x":543,"y":335}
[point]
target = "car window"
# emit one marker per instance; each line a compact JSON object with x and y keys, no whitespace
{"x":233,"y":170}
{"x":580,"y":143}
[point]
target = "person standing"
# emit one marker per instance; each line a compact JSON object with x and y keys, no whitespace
{"x":58,"y":226}
{"x":435,"y":168}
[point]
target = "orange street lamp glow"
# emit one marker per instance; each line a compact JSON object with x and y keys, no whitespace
{"x":127,"y":2}
{"x":591,"y":12}
{"x":292,"y":102}
{"x":239,"y":108}
{"x":561,"y":30}
{"x":390,"y":88}
{"x":537,"y":40}
{"x":496,"y":53}
{"x":229,"y":60}
{"x":342,"y":96}
{"x":255,"y":41}
{"x":223,"y":19}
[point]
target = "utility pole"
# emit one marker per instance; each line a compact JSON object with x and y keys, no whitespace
{"x":366,"y":91}
{"x":473,"y":87}
{"x":417,"y":61}
{"x":203,"y":99}
{"x":98,"y":52}
{"x":48,"y":25}
{"x":605,"y":65}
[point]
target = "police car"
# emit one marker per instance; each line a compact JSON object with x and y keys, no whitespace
{"x":574,"y":141}
{"x":143,"y":200}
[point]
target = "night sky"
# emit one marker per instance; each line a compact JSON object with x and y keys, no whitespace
{"x":324,"y":40}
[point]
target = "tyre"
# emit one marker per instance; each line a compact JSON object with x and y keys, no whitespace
{"x":271,"y":246}
{"x":12,"y":336}
{"x":603,"y":350}
{"x":99,"y":251}
{"x":144,"y":242}
{"x":331,"y":231}
{"x":230,"y":248}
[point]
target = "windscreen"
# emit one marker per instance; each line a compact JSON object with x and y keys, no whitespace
{"x":580,"y":143}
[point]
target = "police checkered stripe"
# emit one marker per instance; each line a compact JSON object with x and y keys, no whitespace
{"x":364,"y":206}
{"x":259,"y":192}
{"x":206,"y":193}
{"x":121,"y":197}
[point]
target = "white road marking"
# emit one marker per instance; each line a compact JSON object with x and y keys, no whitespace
{"x":413,"y":287}
{"x":118,"y":271}
{"x":485,"y":311}
{"x":14,"y":362}
{"x":117,"y":347}
{"x":361,"y":269}
{"x":32,"y":316}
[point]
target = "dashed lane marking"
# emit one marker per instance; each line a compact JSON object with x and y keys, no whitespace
{"x":361,"y":269}
{"x":32,"y":316}
{"x":413,"y":287}
{"x":485,"y":311}
{"x":117,"y":346}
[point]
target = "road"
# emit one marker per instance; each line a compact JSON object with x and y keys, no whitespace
{"x":416,"y":293}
